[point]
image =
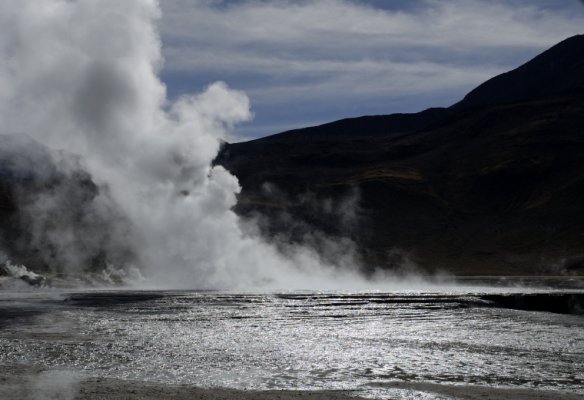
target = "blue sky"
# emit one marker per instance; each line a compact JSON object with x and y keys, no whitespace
{"x":308,"y":62}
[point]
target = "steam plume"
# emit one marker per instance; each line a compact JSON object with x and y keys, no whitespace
{"x":81,"y":76}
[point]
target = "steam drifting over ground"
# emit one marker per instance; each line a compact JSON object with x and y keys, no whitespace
{"x":81,"y":76}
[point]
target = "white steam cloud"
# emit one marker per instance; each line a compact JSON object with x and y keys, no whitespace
{"x":81,"y":76}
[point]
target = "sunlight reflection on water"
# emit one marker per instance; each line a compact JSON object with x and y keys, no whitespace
{"x":299,"y":340}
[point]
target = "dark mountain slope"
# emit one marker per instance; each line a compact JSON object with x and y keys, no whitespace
{"x":492,"y":189}
{"x":366,"y":126}
{"x":557,"y":70}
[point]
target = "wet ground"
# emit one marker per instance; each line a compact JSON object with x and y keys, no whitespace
{"x":373,"y":344}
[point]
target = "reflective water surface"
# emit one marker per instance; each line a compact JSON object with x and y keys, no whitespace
{"x":333,"y":340}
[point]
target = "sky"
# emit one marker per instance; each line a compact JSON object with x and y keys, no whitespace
{"x":308,"y":62}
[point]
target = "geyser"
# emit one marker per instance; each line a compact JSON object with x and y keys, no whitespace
{"x":81,"y":76}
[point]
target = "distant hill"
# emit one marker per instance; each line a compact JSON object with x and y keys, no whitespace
{"x":491,"y":185}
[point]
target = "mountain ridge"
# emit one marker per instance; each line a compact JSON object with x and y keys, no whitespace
{"x":490,"y":185}
{"x":556,"y":70}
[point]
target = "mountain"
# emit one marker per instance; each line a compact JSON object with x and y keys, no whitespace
{"x":557,"y":70}
{"x":370,"y":124}
{"x":491,"y":185}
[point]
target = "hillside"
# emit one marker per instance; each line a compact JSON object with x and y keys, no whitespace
{"x":46,"y":211}
{"x":491,"y":185}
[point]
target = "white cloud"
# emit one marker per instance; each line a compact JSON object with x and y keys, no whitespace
{"x":343,"y":48}
{"x":344,"y":30}
{"x":342,"y":23}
